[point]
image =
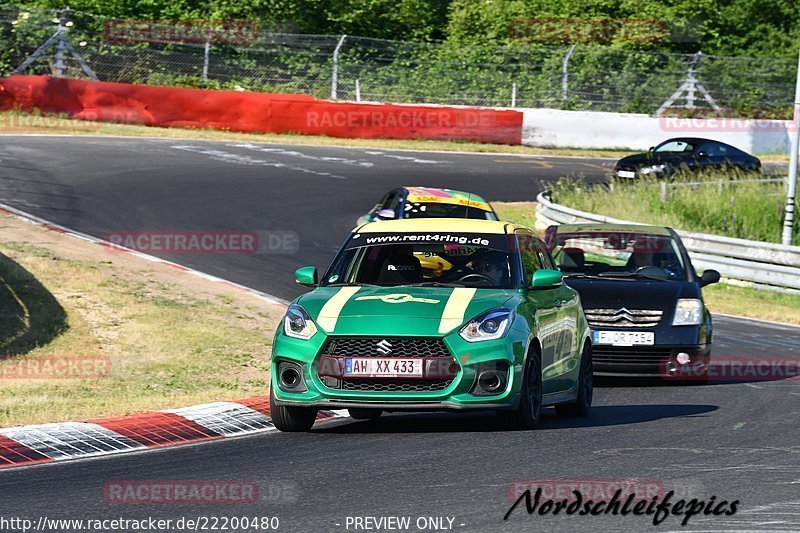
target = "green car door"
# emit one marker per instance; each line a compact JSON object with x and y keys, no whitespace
{"x":557,"y":311}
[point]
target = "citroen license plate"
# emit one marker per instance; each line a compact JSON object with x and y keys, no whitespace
{"x":624,"y":338}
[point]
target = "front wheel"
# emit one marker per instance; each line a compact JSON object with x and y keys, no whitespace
{"x":583,"y":403}
{"x":529,"y":411}
{"x":291,"y":419}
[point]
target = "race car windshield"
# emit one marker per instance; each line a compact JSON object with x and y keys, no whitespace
{"x":441,"y":210}
{"x":619,"y":255}
{"x":455,"y":260}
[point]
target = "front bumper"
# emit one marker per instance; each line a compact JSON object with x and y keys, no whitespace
{"x":647,"y":361}
{"x":404,"y":406}
{"x":456,"y":395}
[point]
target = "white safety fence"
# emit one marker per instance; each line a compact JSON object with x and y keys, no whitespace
{"x":758,"y":264}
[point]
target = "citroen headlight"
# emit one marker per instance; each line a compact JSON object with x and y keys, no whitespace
{"x":298,"y":324}
{"x":688,"y":312}
{"x":488,"y":326}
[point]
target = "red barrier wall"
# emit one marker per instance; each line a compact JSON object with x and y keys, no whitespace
{"x":255,"y":112}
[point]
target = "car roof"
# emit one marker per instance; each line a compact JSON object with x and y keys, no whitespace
{"x":606,"y":228}
{"x":446,"y":196}
{"x":427,"y":225}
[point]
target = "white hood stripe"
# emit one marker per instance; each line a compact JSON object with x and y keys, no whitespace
{"x":453,"y":314}
{"x":329,"y":313}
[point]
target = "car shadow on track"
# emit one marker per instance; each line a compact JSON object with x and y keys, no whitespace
{"x":485,"y":421}
{"x":30,"y":315}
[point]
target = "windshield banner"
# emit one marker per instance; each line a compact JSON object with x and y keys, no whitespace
{"x":483,"y":240}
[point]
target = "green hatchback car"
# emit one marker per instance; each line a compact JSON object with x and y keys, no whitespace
{"x":433,"y":314}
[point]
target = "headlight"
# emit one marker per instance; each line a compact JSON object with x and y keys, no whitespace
{"x":488,"y":326}
{"x":688,"y":312}
{"x":298,"y":324}
{"x":655,"y":169}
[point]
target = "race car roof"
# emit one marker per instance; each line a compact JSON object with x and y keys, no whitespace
{"x":446,"y":196}
{"x":447,"y":225}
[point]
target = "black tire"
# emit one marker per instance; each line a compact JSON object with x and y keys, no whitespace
{"x":583,"y":403}
{"x":365,"y":413}
{"x":291,"y":419}
{"x":529,"y":411}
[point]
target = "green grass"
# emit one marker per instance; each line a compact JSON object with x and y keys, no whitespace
{"x":171,"y":340}
{"x":745,"y":301}
{"x":745,"y":210}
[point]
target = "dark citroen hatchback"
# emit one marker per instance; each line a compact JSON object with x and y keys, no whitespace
{"x":641,"y":296}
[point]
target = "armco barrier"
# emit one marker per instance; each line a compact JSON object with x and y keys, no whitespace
{"x":758,"y":264}
{"x":256,"y":112}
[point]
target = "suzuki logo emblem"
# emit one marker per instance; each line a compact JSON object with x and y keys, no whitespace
{"x":384,"y":347}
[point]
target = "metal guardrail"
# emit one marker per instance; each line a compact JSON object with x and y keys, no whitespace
{"x":761,"y":265}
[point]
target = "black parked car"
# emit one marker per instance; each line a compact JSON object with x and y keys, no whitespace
{"x":685,"y":153}
{"x":641,"y":296}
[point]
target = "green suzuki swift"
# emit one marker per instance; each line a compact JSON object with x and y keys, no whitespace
{"x":433,"y":314}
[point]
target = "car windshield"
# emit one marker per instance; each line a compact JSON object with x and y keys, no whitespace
{"x":675,"y":146}
{"x":618,"y":254}
{"x":443,"y":210}
{"x":435,"y":259}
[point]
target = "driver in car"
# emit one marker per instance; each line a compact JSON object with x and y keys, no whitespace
{"x":653,"y":255}
{"x":491,"y":264}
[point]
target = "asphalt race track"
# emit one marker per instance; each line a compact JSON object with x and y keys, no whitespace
{"x":735,"y":440}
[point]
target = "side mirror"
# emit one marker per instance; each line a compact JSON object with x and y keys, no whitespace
{"x":546,"y":279}
{"x":709,"y":277}
{"x":306,"y":276}
{"x":386,"y":214}
{"x":651,"y":148}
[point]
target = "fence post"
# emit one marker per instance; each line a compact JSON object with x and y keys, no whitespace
{"x":206,"y":57}
{"x":514,"y":94}
{"x":358,"y":90}
{"x":335,"y":77}
{"x":663,"y":191}
{"x":791,"y":186}
{"x":61,"y":45}
{"x":565,"y":72}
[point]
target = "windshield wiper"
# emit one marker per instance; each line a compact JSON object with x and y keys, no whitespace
{"x":353,"y":284}
{"x":433,"y":284}
{"x":640,"y":275}
{"x":581,"y":275}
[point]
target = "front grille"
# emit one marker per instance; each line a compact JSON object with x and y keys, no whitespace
{"x":396,"y":347}
{"x":395,"y":385}
{"x":435,"y":352}
{"x":623,"y":318}
{"x":630,"y":355}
